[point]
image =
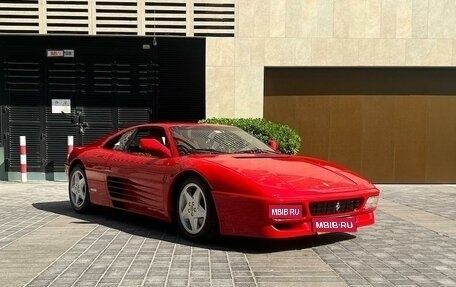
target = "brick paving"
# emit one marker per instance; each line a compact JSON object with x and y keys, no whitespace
{"x":44,"y":243}
{"x":393,"y":252}
{"x":436,"y":199}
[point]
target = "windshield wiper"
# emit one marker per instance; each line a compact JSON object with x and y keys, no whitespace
{"x":256,"y":150}
{"x":204,"y":150}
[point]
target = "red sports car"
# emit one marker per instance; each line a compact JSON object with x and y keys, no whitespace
{"x":214,"y":179}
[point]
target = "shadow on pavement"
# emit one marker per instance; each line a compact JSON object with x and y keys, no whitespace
{"x":148,"y":227}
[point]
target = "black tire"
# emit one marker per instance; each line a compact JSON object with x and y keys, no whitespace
{"x":187,"y":209}
{"x":78,"y":190}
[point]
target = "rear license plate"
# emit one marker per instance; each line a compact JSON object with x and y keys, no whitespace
{"x":334,"y":224}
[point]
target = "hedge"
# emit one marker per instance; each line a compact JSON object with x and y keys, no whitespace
{"x":288,"y":139}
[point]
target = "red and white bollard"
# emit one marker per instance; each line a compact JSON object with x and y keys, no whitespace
{"x":70,"y":145}
{"x":23,"y":152}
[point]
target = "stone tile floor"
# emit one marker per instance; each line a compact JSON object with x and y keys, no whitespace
{"x":44,"y":243}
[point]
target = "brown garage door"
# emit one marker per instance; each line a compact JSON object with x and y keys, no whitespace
{"x":392,"y":125}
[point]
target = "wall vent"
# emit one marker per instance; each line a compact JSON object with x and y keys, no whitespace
{"x":117,"y":17}
{"x":201,"y":18}
{"x":166,"y":18}
{"x":19,"y":16}
{"x":214,"y":19}
{"x":67,"y":17}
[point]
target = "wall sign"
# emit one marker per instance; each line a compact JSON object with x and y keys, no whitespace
{"x":51,"y":53}
{"x":61,"y":105}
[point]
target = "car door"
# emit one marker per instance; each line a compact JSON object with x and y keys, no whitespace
{"x":137,"y":180}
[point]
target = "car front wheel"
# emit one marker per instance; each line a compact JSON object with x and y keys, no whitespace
{"x":78,"y":190}
{"x":196,"y":216}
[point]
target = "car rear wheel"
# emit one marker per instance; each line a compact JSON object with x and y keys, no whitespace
{"x":78,"y":190}
{"x":196,"y":215}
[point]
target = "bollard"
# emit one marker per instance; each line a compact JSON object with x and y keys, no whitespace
{"x":70,"y":145}
{"x":23,"y":152}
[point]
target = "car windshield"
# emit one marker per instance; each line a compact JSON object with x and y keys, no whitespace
{"x":216,"y":139}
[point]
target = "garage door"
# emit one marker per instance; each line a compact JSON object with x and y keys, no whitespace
{"x":392,"y":125}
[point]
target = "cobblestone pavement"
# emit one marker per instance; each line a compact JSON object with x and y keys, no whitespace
{"x":44,"y":243}
{"x":436,"y":199}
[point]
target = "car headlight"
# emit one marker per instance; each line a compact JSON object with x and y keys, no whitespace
{"x":371,"y":202}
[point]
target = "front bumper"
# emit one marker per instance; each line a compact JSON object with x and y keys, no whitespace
{"x":242,"y":215}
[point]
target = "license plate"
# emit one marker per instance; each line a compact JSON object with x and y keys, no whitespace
{"x":334,"y":224}
{"x":285,"y":211}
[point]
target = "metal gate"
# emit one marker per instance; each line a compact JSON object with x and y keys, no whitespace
{"x":109,"y":85}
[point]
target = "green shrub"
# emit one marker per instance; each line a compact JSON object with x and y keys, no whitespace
{"x":287,"y":138}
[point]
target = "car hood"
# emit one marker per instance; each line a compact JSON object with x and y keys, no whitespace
{"x":295,"y":172}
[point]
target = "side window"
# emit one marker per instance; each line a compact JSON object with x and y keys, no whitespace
{"x":120,"y":142}
{"x":155,"y":133}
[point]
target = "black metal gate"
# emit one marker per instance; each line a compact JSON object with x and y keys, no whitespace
{"x":111,"y":83}
{"x":23,"y":92}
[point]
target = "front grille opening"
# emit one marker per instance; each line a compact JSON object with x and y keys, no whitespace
{"x":335,"y":206}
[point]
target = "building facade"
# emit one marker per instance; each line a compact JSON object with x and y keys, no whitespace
{"x":387,"y":118}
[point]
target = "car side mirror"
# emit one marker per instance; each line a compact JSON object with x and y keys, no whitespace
{"x":273,"y":144}
{"x":153,"y":145}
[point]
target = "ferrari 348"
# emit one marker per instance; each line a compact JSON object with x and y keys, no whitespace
{"x":214,"y":179}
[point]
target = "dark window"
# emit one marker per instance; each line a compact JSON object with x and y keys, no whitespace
{"x":152,"y":133}
{"x":121,"y":141}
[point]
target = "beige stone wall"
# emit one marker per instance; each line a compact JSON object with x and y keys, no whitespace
{"x":322,"y":33}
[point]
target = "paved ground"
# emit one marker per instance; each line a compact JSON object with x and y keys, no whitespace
{"x":44,"y":243}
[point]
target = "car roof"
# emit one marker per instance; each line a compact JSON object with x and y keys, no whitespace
{"x":174,"y":124}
